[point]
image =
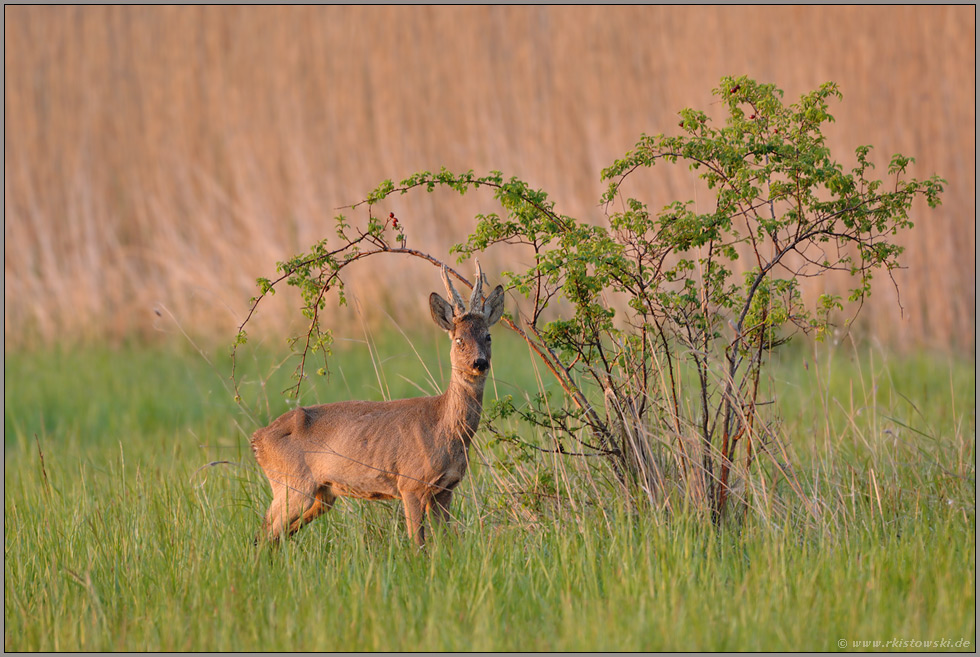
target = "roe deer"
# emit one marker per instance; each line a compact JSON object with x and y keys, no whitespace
{"x":413,"y":449}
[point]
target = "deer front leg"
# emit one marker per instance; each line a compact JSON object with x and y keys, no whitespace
{"x":414,"y":509}
{"x":439,"y":507}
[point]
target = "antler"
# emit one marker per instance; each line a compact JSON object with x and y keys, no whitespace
{"x":476,"y":299}
{"x":459,"y":308}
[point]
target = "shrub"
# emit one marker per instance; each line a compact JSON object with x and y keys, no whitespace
{"x":659,"y":343}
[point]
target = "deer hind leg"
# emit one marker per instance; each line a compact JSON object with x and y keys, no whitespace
{"x":323,"y":501}
{"x":294,"y":505}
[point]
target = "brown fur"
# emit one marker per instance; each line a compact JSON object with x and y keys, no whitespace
{"x":409,"y":449}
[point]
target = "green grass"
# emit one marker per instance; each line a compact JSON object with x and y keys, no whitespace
{"x":124,"y":538}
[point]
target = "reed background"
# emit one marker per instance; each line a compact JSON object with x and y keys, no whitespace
{"x":158,"y":159}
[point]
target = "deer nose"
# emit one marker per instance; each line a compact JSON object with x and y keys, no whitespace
{"x":481,"y":364}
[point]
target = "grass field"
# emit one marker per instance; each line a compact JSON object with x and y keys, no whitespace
{"x":119,"y":535}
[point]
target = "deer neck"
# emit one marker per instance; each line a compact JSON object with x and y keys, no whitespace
{"x":462,"y":407}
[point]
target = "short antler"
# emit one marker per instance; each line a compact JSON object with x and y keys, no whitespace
{"x":476,"y":300}
{"x":459,"y":308}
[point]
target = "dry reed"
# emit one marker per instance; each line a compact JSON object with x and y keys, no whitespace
{"x":166,"y":156}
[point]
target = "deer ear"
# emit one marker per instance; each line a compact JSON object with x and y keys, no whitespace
{"x":442,"y":312}
{"x":493,"y":307}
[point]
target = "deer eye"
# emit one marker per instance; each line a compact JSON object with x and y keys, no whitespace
{"x":488,"y":339}
{"x":459,"y":342}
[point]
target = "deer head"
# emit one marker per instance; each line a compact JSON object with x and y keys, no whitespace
{"x":468,"y":327}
